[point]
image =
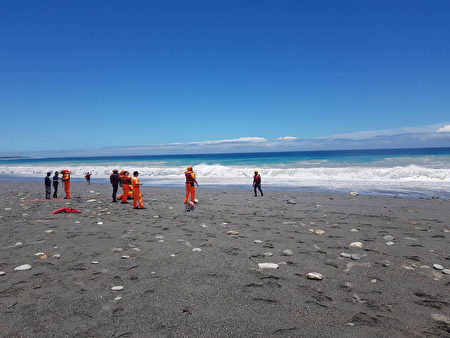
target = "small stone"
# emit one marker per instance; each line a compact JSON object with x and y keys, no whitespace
{"x":39,"y":254}
{"x":172,"y":255}
{"x":268,"y":254}
{"x":346,"y":255}
{"x":99,"y":223}
{"x":354,"y":230}
{"x":161,"y":241}
{"x":7,"y":209}
{"x":438,"y":267}
{"x":91,"y":191}
{"x":159,"y":237}
{"x":355,"y":257}
{"x":425,"y":267}
{"x":373,"y":281}
{"x":196,"y":249}
{"x":57,"y":256}
{"x":94,"y":262}
{"x":446,"y":271}
{"x":267,"y":266}
{"x":48,"y":231}
{"x":257,"y":241}
{"x":351,"y":324}
{"x":90,"y":201}
{"x":354,"y":193}
{"x":287,"y":252}
{"x":117,"y":288}
{"x":291,"y":202}
{"x":23,"y":267}
{"x":18,"y":243}
{"x":118,"y":298}
{"x":356,"y":245}
{"x":319,"y":232}
{"x":125,"y":257}
{"x":2,"y":273}
{"x":390,"y":243}
{"x":233,"y":233}
{"x":388,"y":238}
{"x":77,"y":222}
{"x":314,"y":276}
{"x":155,"y":216}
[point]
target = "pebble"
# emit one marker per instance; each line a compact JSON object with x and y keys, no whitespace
{"x":231,"y":232}
{"x":291,"y":202}
{"x":258,"y":241}
{"x":125,"y":257}
{"x":2,"y":273}
{"x":356,"y":245}
{"x":354,"y":230}
{"x":388,"y":238}
{"x":117,"y":288}
{"x":77,"y":222}
{"x":287,"y":252}
{"x":314,"y":275}
{"x":373,"y":281}
{"x":268,"y":254}
{"x":90,"y":201}
{"x":161,"y":241}
{"x":155,"y":216}
{"x":438,"y":267}
{"x":351,"y":324}
{"x":91,"y":191}
{"x":319,"y":232}
{"x":354,"y":193}
{"x":355,"y":257}
{"x":7,"y":209}
{"x":99,"y":223}
{"x":18,"y":243}
{"x":48,"y":231}
{"x":196,"y":249}
{"x":390,"y":243}
{"x":159,"y":237}
{"x":267,"y":266}
{"x":23,"y":267}
{"x":118,"y":298}
{"x":346,"y":255}
{"x":446,"y":271}
{"x":172,"y":255}
{"x":57,"y":256}
{"x":94,"y":262}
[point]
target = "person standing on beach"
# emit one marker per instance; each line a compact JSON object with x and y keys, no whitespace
{"x":55,"y":184}
{"x":190,"y":187}
{"x":257,"y":183}
{"x":66,"y":181}
{"x":137,"y":197}
{"x":126,"y":180}
{"x":48,"y":185}
{"x":114,"y":179}
{"x":88,"y":178}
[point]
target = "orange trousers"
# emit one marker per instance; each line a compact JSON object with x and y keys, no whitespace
{"x":67,"y":189}
{"x":126,"y":188}
{"x":137,"y":197}
{"x":189,"y":190}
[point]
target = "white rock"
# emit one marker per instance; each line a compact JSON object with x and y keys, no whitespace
{"x":90,"y":201}
{"x":39,"y":254}
{"x":117,"y":288}
{"x":438,"y":267}
{"x":233,"y":233}
{"x":7,"y":209}
{"x":287,"y":252}
{"x":390,"y":243}
{"x":94,"y":262}
{"x":77,"y":222}
{"x":373,"y":281}
{"x":2,"y":273}
{"x":196,"y":249}
{"x":388,"y":238}
{"x":23,"y":267}
{"x":125,"y":257}
{"x":314,"y":275}
{"x":258,"y":241}
{"x":354,"y":193}
{"x":48,"y":231}
{"x":172,"y":255}
{"x":356,"y":245}
{"x":91,"y":191}
{"x":161,"y":241}
{"x":18,"y":243}
{"x":346,"y":255}
{"x":118,"y":298}
{"x":267,"y":266}
{"x":446,"y":271}
{"x":159,"y":237}
{"x":155,"y":216}
{"x":319,"y":232}
{"x":99,"y":223}
{"x":354,"y":230}
{"x":57,"y":256}
{"x":268,"y":254}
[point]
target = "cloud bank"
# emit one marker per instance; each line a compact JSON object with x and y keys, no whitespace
{"x":408,"y":137}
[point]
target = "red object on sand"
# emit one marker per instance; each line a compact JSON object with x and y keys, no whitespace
{"x":66,"y":210}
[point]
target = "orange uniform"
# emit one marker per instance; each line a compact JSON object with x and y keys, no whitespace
{"x":137,"y":197}
{"x":190,"y":187}
{"x":126,"y":187}
{"x":66,"y":179}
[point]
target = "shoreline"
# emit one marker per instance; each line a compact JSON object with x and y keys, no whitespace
{"x":197,"y":273}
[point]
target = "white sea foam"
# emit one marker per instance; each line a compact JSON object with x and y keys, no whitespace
{"x":401,"y":179}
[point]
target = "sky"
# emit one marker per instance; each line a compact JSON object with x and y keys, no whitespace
{"x":163,"y":76}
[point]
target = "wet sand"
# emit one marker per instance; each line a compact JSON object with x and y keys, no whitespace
{"x":185,"y":273}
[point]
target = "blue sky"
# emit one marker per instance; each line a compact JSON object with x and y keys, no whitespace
{"x":93,"y":74}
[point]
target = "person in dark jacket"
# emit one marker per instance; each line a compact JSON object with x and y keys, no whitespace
{"x":55,"y":184}
{"x":48,"y":185}
{"x":257,"y":183}
{"x":114,"y":178}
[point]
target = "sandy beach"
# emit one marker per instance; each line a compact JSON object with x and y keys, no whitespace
{"x":196,"y":274}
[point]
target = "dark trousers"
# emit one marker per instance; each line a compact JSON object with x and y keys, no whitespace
{"x":115,"y":188}
{"x":55,"y":188}
{"x":48,"y":190}
{"x":259,"y":188}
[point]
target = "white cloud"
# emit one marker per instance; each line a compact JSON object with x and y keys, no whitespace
{"x":237,"y":140}
{"x":287,"y":138}
{"x":444,"y":129}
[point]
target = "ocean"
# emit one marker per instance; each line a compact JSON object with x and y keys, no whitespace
{"x":398,"y":172}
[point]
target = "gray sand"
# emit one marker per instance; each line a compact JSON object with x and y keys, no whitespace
{"x":171,"y":290}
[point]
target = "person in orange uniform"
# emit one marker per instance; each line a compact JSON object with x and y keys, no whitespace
{"x":66,"y":179}
{"x":137,"y":197}
{"x":126,"y":180}
{"x":190,"y":187}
